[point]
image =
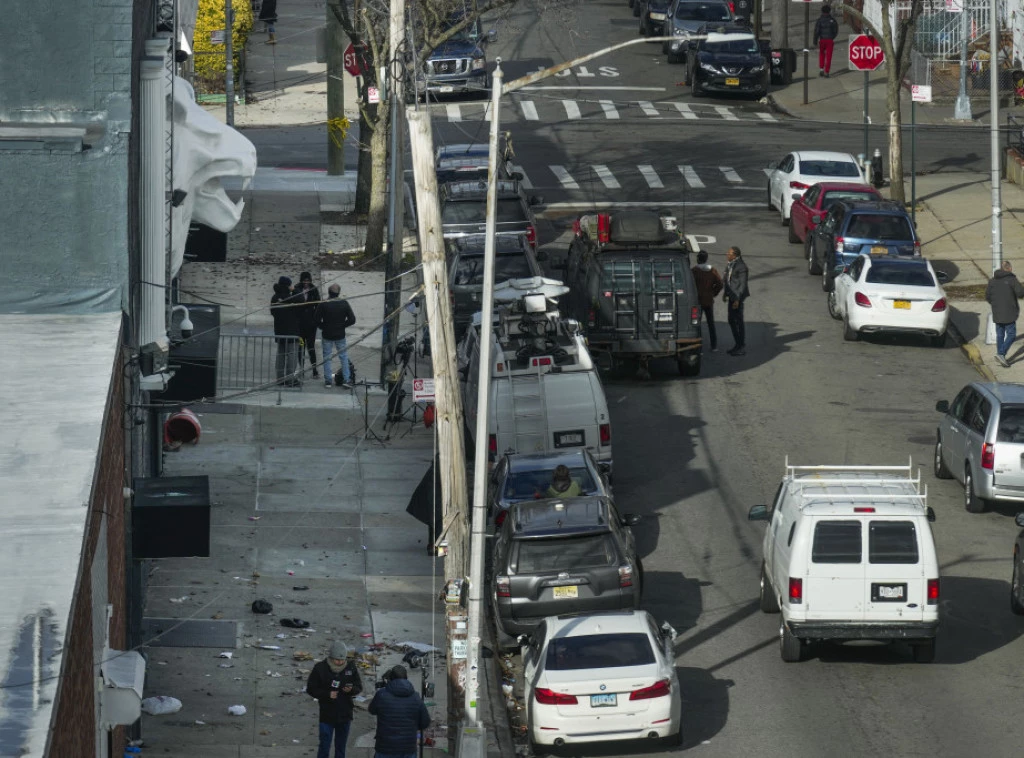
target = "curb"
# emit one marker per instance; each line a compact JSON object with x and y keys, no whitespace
{"x":778,"y":108}
{"x":971,"y":352}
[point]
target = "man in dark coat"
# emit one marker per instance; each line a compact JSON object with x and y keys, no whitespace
{"x":309,"y":296}
{"x":334,"y":318}
{"x":735,"y":293}
{"x":1002,"y":293}
{"x":268,"y":15}
{"x":709,"y":284}
{"x":826,"y":29}
{"x":334,"y":681}
{"x":400,"y":715}
{"x":286,"y":329}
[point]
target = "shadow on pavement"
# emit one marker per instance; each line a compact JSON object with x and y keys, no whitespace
{"x":670,"y":596}
{"x":968,"y":323}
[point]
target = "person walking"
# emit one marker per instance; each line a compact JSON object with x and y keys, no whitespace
{"x":736,"y":292}
{"x":709,"y":284}
{"x":334,"y":317}
{"x":309,"y":297}
{"x":1002,"y":293}
{"x":400,"y":714}
{"x":268,"y":15}
{"x":286,"y":330}
{"x":826,"y":29}
{"x":334,"y":681}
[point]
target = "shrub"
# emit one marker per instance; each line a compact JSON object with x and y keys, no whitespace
{"x":209,"y":58}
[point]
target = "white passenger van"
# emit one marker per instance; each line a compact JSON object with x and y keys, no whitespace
{"x":849,"y":555}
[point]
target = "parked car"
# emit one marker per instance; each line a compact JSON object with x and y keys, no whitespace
{"x":980,"y":443}
{"x":789,"y":177}
{"x":464,"y":209}
{"x":459,"y":64}
{"x":556,"y":556}
{"x":518,"y":477}
{"x":885,"y":294}
{"x":1017,"y":575}
{"x":652,"y":16}
{"x":810,"y":208}
{"x":462,"y":162}
{"x":728,"y":59}
{"x":849,"y":555}
{"x":682,"y":20}
{"x":601,"y":677}
{"x":859,"y":227}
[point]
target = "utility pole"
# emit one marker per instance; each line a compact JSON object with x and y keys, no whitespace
{"x":997,"y":203}
{"x":229,"y":65}
{"x":450,"y":444}
{"x":962,"y":109}
{"x":335,"y":43}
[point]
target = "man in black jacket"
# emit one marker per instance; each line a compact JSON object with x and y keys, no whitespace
{"x":286,"y":329}
{"x":334,"y":681}
{"x":736,"y":292}
{"x":309,"y":297}
{"x":400,"y":715}
{"x":825,"y":32}
{"x":334,"y":318}
{"x":1002,"y":293}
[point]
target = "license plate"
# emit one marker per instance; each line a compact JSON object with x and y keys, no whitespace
{"x":662,"y":317}
{"x":888,"y":593}
{"x":901,"y":304}
{"x":604,"y":701}
{"x":732,"y":82}
{"x":569,"y":439}
{"x":879,"y":250}
{"x":446,"y":89}
{"x":567,"y":592}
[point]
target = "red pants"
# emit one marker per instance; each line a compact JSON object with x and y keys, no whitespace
{"x":825,"y":54}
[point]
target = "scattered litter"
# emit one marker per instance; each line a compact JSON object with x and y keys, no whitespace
{"x":274,"y":674}
{"x":365,"y":635}
{"x":291,"y":573}
{"x":225,"y":665}
{"x":255,"y":518}
{"x":419,"y":647}
{"x":302,"y":655}
{"x":160,"y":705}
{"x":281,"y":636}
{"x":200,"y":723}
{"x":226,"y":654}
{"x":295,"y":623}
{"x":236,"y":710}
{"x":161,"y":663}
{"x":299,"y":562}
{"x":295,"y":742}
{"x":269,"y":647}
{"x":261,"y":606}
{"x":181,"y":599}
{"x":300,"y":588}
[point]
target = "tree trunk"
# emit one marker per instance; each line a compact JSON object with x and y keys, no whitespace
{"x":363,"y":170}
{"x":377,"y":213}
{"x":897,"y":191}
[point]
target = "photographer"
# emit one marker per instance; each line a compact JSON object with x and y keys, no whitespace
{"x":334,"y":681}
{"x":400,"y":714}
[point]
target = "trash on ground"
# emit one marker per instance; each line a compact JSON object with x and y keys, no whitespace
{"x":301,"y":587}
{"x":419,"y":647}
{"x":261,"y":606}
{"x":302,"y":655}
{"x":269,"y":647}
{"x":181,"y":599}
{"x":226,"y":666}
{"x":236,"y":710}
{"x":295,"y":623}
{"x":226,"y":654}
{"x":161,"y":705}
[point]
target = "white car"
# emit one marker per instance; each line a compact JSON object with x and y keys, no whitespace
{"x":790,"y":177}
{"x":601,"y":677}
{"x":890,"y":294}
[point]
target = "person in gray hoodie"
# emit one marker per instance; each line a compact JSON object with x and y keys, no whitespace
{"x":1002,"y":293}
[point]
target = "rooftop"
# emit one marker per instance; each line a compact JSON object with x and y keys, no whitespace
{"x":552,"y":516}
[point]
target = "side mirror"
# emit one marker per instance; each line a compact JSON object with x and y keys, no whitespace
{"x":536,"y":200}
{"x":841,"y":269}
{"x":1019,"y":519}
{"x":930,"y":514}
{"x":942,"y":276}
{"x":758,"y":513}
{"x":492,"y":35}
{"x":772,"y":165}
{"x":943,"y":407}
{"x":816,"y":219}
{"x":668,"y":631}
{"x":630,"y":519}
{"x":797,"y":196}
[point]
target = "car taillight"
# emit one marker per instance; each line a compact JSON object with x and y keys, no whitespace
{"x":577,"y":228}
{"x":501,"y":583}
{"x":606,"y":434}
{"x":917,"y":248}
{"x":545,"y":696}
{"x":661,"y":688}
{"x":988,"y":455}
{"x":537,"y":362}
{"x":796,"y":590}
{"x":604,"y":227}
{"x":798,"y":185}
{"x":498,"y":521}
{"x":940,"y":305}
{"x":625,"y":575}
{"x":933,"y":592}
{"x":694,"y":314}
{"x":531,"y":235}
{"x":840,"y":245}
{"x":492,"y":447}
{"x":591,"y":318}
{"x":861,"y":299}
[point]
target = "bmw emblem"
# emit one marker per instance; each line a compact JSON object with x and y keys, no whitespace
{"x":603,"y":688}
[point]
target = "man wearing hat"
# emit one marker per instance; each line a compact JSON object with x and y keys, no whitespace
{"x":400,"y":714}
{"x":285,"y":310}
{"x":334,"y":681}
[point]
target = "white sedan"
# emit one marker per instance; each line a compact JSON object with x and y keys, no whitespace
{"x":890,"y":294}
{"x":601,"y":677}
{"x":790,"y":177}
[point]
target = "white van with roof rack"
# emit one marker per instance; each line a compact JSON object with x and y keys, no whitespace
{"x":849,"y":555}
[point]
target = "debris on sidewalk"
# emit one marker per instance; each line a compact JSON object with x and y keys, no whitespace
{"x":302,"y":655}
{"x":236,"y":710}
{"x":161,"y":705}
{"x":261,"y":606}
{"x":226,"y":654}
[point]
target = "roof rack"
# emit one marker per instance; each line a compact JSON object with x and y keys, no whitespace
{"x":908,"y":469}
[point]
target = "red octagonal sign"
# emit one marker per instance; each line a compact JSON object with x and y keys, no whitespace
{"x":865,"y":53}
{"x":355,"y":59}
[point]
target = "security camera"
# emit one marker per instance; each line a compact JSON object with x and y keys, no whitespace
{"x":186,"y":328}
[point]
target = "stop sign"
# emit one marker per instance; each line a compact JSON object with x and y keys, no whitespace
{"x":865,"y":53}
{"x":354,"y":59}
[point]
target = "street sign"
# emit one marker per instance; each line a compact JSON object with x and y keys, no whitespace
{"x":920,"y":93}
{"x":865,"y":53}
{"x":217,"y":37}
{"x":423,"y":390}
{"x":373,"y":95}
{"x":954,"y":6}
{"x":354,"y":59}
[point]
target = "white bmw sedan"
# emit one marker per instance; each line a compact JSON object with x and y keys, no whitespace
{"x":790,"y":177}
{"x":890,"y":294}
{"x":600,"y":677}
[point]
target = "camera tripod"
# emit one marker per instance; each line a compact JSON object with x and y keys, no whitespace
{"x":405,"y":354}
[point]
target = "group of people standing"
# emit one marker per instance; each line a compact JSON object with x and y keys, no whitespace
{"x":298,"y":313}
{"x":734,"y":290}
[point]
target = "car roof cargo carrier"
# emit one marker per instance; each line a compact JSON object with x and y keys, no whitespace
{"x":633,"y":229}
{"x":834,"y":483}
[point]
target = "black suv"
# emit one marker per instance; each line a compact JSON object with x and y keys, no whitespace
{"x":729,"y":59}
{"x":466,"y":161}
{"x":652,"y":16}
{"x":858,"y":227}
{"x":557,"y":556}
{"x":464,"y":210}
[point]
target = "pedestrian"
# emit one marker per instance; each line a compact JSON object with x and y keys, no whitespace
{"x":286,"y":330}
{"x":400,"y":714}
{"x":268,"y":15}
{"x":334,"y":317}
{"x":826,"y":29}
{"x":334,"y":681}
{"x":709,"y":284}
{"x":309,"y":297}
{"x":1002,"y":293}
{"x":736,"y":292}
{"x":562,"y":483}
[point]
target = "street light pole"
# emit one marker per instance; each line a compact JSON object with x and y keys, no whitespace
{"x":997,"y":205}
{"x":962,"y":109}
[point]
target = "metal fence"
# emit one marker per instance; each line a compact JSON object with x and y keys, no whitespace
{"x":1015,"y":133}
{"x":246,"y":361}
{"x":943,"y":76}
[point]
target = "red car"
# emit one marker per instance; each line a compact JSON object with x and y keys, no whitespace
{"x":811,"y":207}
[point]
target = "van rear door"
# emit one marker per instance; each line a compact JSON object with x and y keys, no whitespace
{"x":895,"y":589}
{"x":833,"y":582}
{"x":1008,"y":467}
{"x":639,"y":297}
{"x":571,"y":411}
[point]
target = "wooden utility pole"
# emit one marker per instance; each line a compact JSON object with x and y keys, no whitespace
{"x":448,"y":403}
{"x":336,"y":43}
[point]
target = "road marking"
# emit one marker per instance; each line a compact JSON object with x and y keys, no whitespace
{"x":726,"y":112}
{"x":653,"y":180}
{"x":609,"y":109}
{"x":691,"y":177}
{"x":564,"y":177}
{"x":525,"y":181}
{"x":584,"y":207}
{"x":649,"y":110}
{"x":572,"y":110}
{"x":616,"y":89}
{"x":730,"y":174}
{"x":607,"y":177}
{"x":766,"y":117}
{"x":454,"y":113}
{"x":529,"y":110}
{"x":685,"y":110}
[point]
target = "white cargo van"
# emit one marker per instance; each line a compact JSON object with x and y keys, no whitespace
{"x":849,"y":555}
{"x":545,"y":392}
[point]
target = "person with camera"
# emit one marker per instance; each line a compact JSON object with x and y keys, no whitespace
{"x":334,"y":681}
{"x":334,"y":317}
{"x":401,"y":715}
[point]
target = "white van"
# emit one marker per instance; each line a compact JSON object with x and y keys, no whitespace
{"x":849,"y":555}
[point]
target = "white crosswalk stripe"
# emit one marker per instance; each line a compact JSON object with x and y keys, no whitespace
{"x":529,"y":110}
{"x":766,"y":116}
{"x":564,"y":177}
{"x":610,"y":111}
{"x":572,"y":109}
{"x":686,"y":111}
{"x":649,"y":109}
{"x":607,"y":177}
{"x":454,"y":112}
{"x":730,"y":174}
{"x":691,"y":177}
{"x":726,"y":113}
{"x":525,"y":181}
{"x":653,"y":180}
{"x":617,"y":176}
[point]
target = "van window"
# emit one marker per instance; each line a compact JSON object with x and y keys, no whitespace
{"x":836,"y":542}
{"x":1011,"y":424}
{"x":892,"y":542}
{"x":979,"y":417}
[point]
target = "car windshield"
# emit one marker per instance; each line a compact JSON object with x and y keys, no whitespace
{"x":834,"y":196}
{"x":702,"y":12}
{"x":1011,"y":424}
{"x":566,"y":553}
{"x":883,"y":272}
{"x":599,"y":651}
{"x":474,"y":211}
{"x":523,"y":485}
{"x":829,"y":168}
{"x":461,"y":174}
{"x":470,"y":269}
{"x":874,"y":226}
{"x":734,"y":46}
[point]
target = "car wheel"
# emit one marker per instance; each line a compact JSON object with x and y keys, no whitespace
{"x":833,"y":306}
{"x":827,"y":282}
{"x":769,"y":603}
{"x":849,"y":333}
{"x":972,"y":502}
{"x":782,"y":212}
{"x":689,"y":364}
{"x":812,"y":265}
{"x":939,"y":466}
{"x":792,"y":233}
{"x":695,"y":89}
{"x":1015,"y":590}
{"x":790,"y":647}
{"x":924,"y":652}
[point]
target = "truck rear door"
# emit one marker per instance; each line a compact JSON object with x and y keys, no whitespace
{"x":896,"y":586}
{"x":620,"y":298}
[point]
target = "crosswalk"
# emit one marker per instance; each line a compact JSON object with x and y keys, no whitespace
{"x":556,"y":110}
{"x":658,"y":178}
